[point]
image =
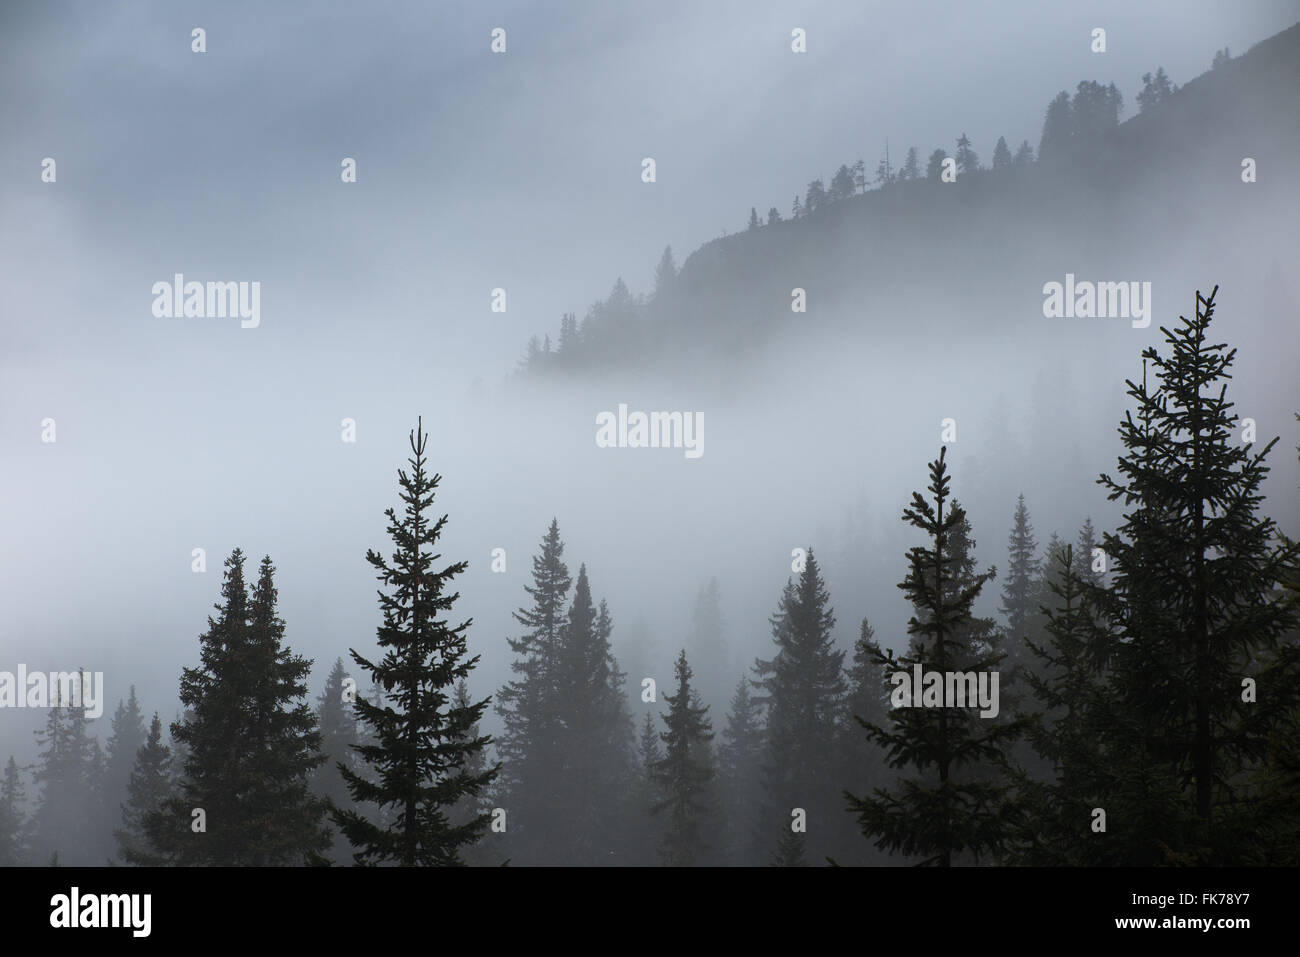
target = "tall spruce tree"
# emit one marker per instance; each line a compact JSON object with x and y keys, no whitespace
{"x":934,"y":166}
{"x":648,"y":751}
{"x":336,"y":718}
{"x":1002,"y":154}
{"x":67,"y":776}
{"x":1022,"y":568}
{"x":127,"y":737}
{"x":1020,"y":597}
{"x":470,"y":807}
{"x":597,"y":737}
{"x":815,"y":198}
{"x":649,"y":754}
{"x":665,"y":274}
{"x":1155,"y":90}
{"x":967,"y":159}
{"x":529,"y":703}
{"x":683,"y":775}
{"x":740,"y":763}
{"x":148,"y":786}
{"x":868,"y":697}
{"x":250,"y":742}
{"x":1055,"y":141}
{"x":1087,"y":566}
{"x":802,"y":690}
{"x":119,"y":758}
{"x":911,"y":166}
{"x":1065,"y":731}
{"x":1194,"y":570}
{"x":1276,"y":808}
{"x":14,"y":826}
{"x":421,"y":761}
{"x":861,"y":762}
{"x":939,"y":815}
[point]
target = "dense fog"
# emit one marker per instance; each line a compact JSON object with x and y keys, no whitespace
{"x":518,"y":179}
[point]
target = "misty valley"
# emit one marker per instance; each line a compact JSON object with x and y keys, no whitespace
{"x":991,"y":560}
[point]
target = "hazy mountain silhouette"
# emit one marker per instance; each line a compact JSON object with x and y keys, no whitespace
{"x":1121,"y":201}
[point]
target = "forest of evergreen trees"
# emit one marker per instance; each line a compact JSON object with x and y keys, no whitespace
{"x":1149,"y":712}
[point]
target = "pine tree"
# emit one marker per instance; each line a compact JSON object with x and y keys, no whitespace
{"x":683,"y":776}
{"x":1019,"y":601}
{"x":967,"y":159}
{"x":596,"y":737}
{"x":665,"y":274}
{"x":99,"y":844}
{"x":1274,"y":815}
{"x":796,"y":210}
{"x":250,"y":742}
{"x":470,"y":807}
{"x":180,"y":750}
{"x":1155,"y":90}
{"x":1193,"y":573}
{"x":939,"y":814}
{"x":1085,"y":561}
{"x":911,"y":165}
{"x":884,"y":170}
{"x":283,"y":821}
{"x":802,"y":689}
{"x":1094,"y":115}
{"x":148,"y":786}
{"x":1001,"y":154}
{"x":14,"y":826}
{"x":842,"y":185}
{"x":1057,"y":129}
{"x":649,"y":754}
{"x":1024,"y":154}
{"x":974,"y":636}
{"x":754,"y":222}
{"x":740,"y":762}
{"x":1066,"y":732}
{"x":773,"y":216}
{"x":648,"y":751}
{"x":127,"y":738}
{"x":336,"y":718}
{"x":528,"y":705}
{"x":568,"y":334}
{"x":867,"y":696}
{"x":861,"y":763}
{"x":67,"y":778}
{"x":860,"y":175}
{"x":420,"y":761}
{"x":815,"y":198}
{"x":934,"y":167}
